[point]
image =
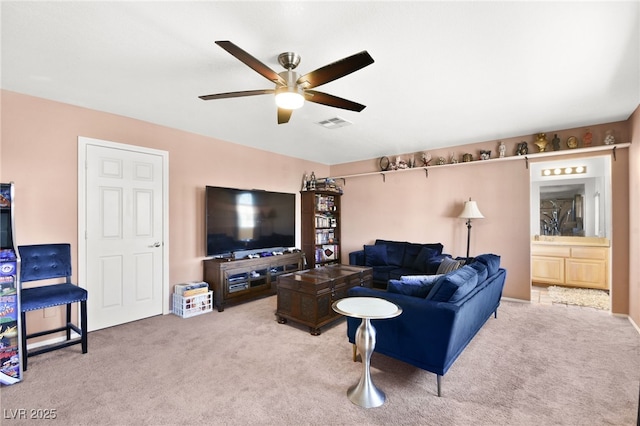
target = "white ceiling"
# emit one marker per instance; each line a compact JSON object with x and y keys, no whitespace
{"x":445,"y":73}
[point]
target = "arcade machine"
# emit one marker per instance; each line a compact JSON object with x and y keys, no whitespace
{"x":10,"y":327}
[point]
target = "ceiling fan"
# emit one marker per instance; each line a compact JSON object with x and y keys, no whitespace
{"x":292,"y":90}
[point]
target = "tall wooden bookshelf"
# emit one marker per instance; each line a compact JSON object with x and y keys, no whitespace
{"x":320,"y":227}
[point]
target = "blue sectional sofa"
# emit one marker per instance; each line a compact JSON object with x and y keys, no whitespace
{"x":440,"y":314}
{"x":393,"y":259}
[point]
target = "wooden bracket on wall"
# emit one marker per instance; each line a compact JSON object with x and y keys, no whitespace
{"x":384,"y":177}
{"x":526,"y":161}
{"x":614,"y":153}
{"x":426,"y":171}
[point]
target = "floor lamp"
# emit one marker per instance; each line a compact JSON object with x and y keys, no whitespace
{"x":469,"y":212}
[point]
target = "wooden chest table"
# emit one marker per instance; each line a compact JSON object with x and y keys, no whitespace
{"x":306,"y":296}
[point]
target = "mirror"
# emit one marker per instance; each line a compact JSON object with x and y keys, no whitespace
{"x":571,"y":204}
{"x":562,"y":210}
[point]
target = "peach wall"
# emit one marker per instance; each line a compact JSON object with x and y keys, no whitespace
{"x":412,"y":207}
{"x":634,"y":213}
{"x":38,"y":150}
{"x":39,"y":153}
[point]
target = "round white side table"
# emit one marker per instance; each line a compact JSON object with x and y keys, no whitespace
{"x":365,"y":393}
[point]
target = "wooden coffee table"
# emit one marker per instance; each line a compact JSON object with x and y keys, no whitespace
{"x":306,"y":296}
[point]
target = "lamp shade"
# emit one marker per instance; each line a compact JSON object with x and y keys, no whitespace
{"x":470,"y":211}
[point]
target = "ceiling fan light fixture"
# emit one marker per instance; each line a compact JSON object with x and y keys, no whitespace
{"x":289,"y":98}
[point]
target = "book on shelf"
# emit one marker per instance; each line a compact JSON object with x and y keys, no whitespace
{"x":191,"y":289}
{"x":327,"y":253}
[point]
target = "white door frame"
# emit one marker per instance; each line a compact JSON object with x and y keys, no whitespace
{"x":82,"y":226}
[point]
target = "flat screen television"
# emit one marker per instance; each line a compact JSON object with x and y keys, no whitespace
{"x":248,"y":219}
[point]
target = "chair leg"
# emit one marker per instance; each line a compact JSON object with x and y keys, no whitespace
{"x":68,"y":321}
{"x":83,"y":319}
{"x":23,"y":317}
{"x":439,"y":380}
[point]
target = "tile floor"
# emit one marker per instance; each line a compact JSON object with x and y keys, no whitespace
{"x":540,"y":295}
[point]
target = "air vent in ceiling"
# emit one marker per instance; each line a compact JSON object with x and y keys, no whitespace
{"x":334,"y":123}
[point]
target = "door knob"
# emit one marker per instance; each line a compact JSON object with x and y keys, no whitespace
{"x":156,"y":244}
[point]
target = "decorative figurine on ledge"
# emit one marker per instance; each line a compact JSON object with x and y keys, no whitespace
{"x":609,"y":139}
{"x":541,"y":142}
{"x":485,"y":155}
{"x":522,"y":148}
{"x":304,"y":182}
{"x":502,"y":149}
{"x":587,"y":139}
{"x":555,"y":142}
{"x":401,"y":163}
{"x":453,"y":158}
{"x":426,"y":158}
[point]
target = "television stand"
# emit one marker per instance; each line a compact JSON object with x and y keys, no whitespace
{"x":235,"y":281}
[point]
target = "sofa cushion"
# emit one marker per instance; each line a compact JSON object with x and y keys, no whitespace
{"x":438,"y":247}
{"x":396,"y":273}
{"x":481,"y":269}
{"x":413,"y":288}
{"x":447,"y":265}
{"x":421,"y":262}
{"x":491,"y":260}
{"x":375,"y":255}
{"x":419,"y":278}
{"x":411,"y":251}
{"x":395,"y":251}
{"x":446,"y":287}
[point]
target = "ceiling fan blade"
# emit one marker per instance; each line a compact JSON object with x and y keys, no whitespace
{"x":284,"y":115}
{"x":335,"y":70}
{"x":237,"y":94}
{"x":252,"y":62}
{"x":332,"y":101}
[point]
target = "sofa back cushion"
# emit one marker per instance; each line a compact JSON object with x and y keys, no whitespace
{"x":375,"y":255}
{"x":416,"y":285}
{"x":395,"y":251}
{"x":454,"y":286}
{"x":411,"y":252}
{"x":422,"y":260}
{"x":492,"y":261}
{"x":481,"y":269}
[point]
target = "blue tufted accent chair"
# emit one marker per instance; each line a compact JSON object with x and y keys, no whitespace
{"x":46,"y":262}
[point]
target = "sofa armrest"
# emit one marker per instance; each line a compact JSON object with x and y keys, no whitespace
{"x":356,"y":258}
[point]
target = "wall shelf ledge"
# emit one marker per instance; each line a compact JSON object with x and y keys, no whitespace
{"x":526,"y":158}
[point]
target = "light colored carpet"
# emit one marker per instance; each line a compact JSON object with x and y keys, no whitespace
{"x":598,"y":299}
{"x":533,"y":365}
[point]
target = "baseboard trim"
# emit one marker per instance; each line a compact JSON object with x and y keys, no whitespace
{"x":633,"y":323}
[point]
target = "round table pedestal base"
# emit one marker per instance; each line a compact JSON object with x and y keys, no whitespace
{"x":366,"y":395}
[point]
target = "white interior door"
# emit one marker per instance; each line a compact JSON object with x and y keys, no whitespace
{"x":124,"y":250}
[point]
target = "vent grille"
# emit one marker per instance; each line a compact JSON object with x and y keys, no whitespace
{"x":334,"y":123}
